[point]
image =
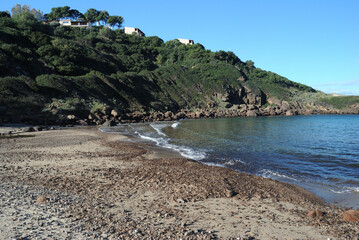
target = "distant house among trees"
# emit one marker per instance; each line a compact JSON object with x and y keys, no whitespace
{"x":67,"y":22}
{"x":73,"y":18}
{"x":185,"y":41}
{"x":131,"y":30}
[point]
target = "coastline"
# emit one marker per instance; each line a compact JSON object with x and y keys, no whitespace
{"x":112,"y":189}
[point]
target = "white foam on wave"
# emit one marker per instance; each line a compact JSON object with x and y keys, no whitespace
{"x":234,"y":161}
{"x":184,"y":151}
{"x":214,"y":164}
{"x":345,"y":190}
{"x":175,"y":125}
{"x":158,"y":128}
{"x":271,"y":174}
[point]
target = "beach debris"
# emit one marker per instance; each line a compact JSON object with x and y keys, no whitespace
{"x":40,"y":200}
{"x":230,"y":193}
{"x":315,"y":214}
{"x":351,"y":216}
{"x":180,"y":200}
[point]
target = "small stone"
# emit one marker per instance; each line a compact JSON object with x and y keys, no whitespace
{"x":351,"y":216}
{"x":315,"y":214}
{"x":41,"y":199}
{"x":180,"y":200}
{"x":230,"y":193}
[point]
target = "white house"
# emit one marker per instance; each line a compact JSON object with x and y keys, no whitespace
{"x":185,"y":41}
{"x":131,"y":30}
{"x":66,"y":22}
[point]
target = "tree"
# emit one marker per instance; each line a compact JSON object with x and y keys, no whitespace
{"x":115,"y":21}
{"x":75,"y":14}
{"x":4,"y":14}
{"x":17,"y":10}
{"x":102,"y":16}
{"x":58,"y":13}
{"x":63,"y":13}
{"x":91,"y":15}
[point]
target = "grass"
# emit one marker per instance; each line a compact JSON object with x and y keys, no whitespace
{"x":341,"y":102}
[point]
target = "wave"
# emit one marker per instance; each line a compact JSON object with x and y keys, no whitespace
{"x":213,"y":164}
{"x":271,"y":174}
{"x":158,"y":128}
{"x":233,"y":162}
{"x":175,"y":125}
{"x":345,"y":190}
{"x":184,"y":151}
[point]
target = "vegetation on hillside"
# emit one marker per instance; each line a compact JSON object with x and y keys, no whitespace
{"x":43,"y":63}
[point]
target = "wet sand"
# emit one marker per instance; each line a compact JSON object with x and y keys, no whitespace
{"x":95,"y":186}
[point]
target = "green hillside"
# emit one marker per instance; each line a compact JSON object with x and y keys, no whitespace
{"x":83,"y":70}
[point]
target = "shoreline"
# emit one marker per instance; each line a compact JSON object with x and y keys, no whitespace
{"x":342,"y":198}
{"x":125,"y":190}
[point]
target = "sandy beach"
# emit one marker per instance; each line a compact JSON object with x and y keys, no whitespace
{"x":79,"y":183}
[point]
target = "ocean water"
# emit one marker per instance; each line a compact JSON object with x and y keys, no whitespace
{"x":317,"y":152}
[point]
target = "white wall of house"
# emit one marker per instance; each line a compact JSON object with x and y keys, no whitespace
{"x":131,"y":30}
{"x":186,"y":41}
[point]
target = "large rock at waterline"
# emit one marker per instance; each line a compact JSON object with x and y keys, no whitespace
{"x":28,"y":129}
{"x":251,"y":113}
{"x":109,"y":123}
{"x":114,"y":113}
{"x":351,"y":216}
{"x":290,"y":113}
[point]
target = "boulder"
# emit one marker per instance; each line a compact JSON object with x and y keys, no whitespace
{"x":38,"y":128}
{"x":71,"y":117}
{"x":315,"y":214}
{"x":285,"y":106}
{"x":168,"y":114}
{"x":92,"y":116}
{"x":251,"y":113}
{"x":290,"y":113}
{"x":109,"y":123}
{"x":351,"y":216}
{"x":199,"y":114}
{"x":28,"y":129}
{"x":114,"y":113}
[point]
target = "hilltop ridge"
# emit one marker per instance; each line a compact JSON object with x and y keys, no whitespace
{"x":58,"y":74}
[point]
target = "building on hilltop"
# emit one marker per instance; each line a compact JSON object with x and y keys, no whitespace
{"x":131,"y":30}
{"x":185,"y":41}
{"x":67,"y":22}
{"x":70,"y":23}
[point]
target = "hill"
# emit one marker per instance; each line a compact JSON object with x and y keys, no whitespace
{"x":51,"y":73}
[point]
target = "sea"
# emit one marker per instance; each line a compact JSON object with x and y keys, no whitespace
{"x":317,"y":152}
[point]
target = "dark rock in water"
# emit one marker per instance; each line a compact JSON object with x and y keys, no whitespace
{"x":109,"y":123}
{"x":351,"y":216}
{"x":28,"y":129}
{"x":315,"y":214}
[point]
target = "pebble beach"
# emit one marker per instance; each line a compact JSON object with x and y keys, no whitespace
{"x":79,"y":183}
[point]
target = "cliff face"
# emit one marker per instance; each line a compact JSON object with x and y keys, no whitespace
{"x":58,"y":74}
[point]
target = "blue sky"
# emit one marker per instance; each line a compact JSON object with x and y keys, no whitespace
{"x":314,"y":42}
